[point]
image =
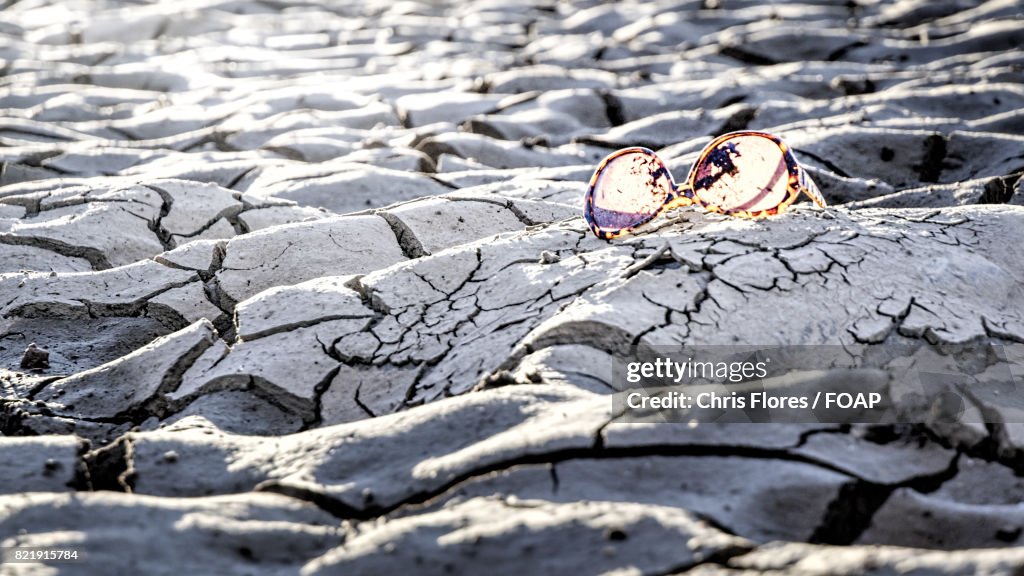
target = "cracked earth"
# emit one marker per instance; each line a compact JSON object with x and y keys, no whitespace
{"x":316,"y":296}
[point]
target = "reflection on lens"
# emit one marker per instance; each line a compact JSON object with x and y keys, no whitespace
{"x":743,"y":173}
{"x":630,"y":190}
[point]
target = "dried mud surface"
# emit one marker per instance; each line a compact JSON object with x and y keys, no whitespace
{"x":317,"y":296}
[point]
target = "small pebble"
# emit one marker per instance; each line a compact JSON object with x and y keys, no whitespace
{"x":548,"y":257}
{"x":35,"y":358}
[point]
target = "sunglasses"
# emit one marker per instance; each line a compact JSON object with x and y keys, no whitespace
{"x":744,"y":174}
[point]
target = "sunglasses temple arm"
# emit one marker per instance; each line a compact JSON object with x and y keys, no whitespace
{"x":808,"y":187}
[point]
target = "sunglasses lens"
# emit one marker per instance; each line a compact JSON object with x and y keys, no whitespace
{"x":629,"y":190}
{"x":743,"y":173}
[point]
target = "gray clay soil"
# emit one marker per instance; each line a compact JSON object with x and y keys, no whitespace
{"x":311,"y":293}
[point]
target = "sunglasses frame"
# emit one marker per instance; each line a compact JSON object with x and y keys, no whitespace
{"x":684,"y":194}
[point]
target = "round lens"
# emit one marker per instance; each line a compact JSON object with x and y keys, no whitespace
{"x":628,"y":189}
{"x":743,"y":173}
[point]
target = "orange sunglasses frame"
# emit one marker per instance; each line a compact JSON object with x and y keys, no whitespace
{"x":684,"y":194}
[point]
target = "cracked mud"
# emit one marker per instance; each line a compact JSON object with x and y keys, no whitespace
{"x":303,"y":287}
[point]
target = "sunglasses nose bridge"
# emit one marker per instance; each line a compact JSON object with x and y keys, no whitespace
{"x":682,"y":195}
